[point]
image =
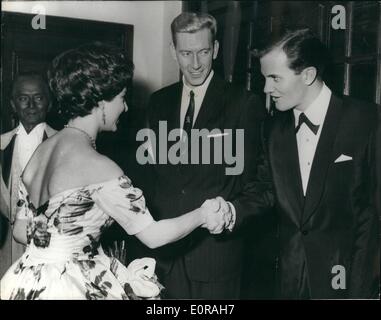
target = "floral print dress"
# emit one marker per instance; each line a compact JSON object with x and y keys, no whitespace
{"x":63,"y":258}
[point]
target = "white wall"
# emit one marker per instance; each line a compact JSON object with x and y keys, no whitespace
{"x":154,"y":66}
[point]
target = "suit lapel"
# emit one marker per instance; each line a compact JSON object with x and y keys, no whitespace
{"x":6,"y":160}
{"x":48,"y":132}
{"x":45,"y":136}
{"x":212,"y":104}
{"x":173,"y":103}
{"x":323,"y":157}
{"x":6,"y":156}
{"x":289,"y":163}
{"x":5,"y":203}
{"x":15,"y":180}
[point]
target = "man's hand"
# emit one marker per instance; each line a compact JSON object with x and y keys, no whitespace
{"x":218,"y":215}
{"x":226,"y":211}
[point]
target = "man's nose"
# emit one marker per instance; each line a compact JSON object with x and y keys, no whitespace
{"x":196,"y":63}
{"x":268,"y":88}
{"x":31,"y":103}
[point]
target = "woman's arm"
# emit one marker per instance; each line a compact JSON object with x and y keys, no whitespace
{"x":165,"y":231}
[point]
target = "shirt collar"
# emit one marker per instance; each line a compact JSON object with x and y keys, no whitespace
{"x":317,"y":110}
{"x":199,"y":90}
{"x":37,"y":130}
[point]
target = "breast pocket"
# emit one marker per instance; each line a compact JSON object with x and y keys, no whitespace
{"x":340,"y":178}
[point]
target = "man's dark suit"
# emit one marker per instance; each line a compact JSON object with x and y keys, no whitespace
{"x":182,"y":188}
{"x":336,"y":222}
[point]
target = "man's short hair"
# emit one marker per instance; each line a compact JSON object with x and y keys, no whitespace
{"x":191,"y":22}
{"x":31,"y":75}
{"x":302,"y":47}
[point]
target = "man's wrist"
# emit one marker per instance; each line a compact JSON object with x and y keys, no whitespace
{"x":231,"y":224}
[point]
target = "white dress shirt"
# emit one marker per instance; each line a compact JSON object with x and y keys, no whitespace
{"x":28,"y":143}
{"x":306,"y":140}
{"x":199,"y":94}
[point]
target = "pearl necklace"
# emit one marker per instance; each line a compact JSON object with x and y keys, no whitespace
{"x":92,"y":140}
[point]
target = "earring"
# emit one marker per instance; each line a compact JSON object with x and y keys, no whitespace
{"x":103,"y":115}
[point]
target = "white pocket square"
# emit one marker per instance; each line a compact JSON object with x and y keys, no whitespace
{"x":343,"y":158}
{"x":216,"y":135}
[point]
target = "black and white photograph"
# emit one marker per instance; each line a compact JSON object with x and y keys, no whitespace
{"x":196,"y":151}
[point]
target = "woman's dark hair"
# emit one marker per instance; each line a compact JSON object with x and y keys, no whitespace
{"x":82,"y":77}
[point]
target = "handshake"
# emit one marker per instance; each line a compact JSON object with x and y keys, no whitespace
{"x":218,"y":215}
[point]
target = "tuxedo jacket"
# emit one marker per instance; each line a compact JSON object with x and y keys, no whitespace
{"x":180,"y":188}
{"x":335,"y":223}
{"x":10,"y":172}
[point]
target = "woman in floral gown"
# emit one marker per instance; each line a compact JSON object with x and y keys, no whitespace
{"x":69,"y":193}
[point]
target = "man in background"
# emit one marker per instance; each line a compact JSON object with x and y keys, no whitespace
{"x":202,"y":266}
{"x":30,"y":100}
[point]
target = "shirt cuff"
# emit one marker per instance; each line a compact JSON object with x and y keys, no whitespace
{"x":231,"y":224}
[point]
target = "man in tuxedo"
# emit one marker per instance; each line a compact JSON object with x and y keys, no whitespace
{"x":202,"y":266}
{"x":30,"y":100}
{"x":320,"y":175}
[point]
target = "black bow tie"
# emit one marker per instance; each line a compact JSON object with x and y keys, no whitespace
{"x":303,"y":119}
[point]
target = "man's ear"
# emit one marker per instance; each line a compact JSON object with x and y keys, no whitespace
{"x":173,"y":51}
{"x":49,"y":106}
{"x":309,"y":75}
{"x":50,"y":99}
{"x":13,"y":105}
{"x":216,"y":46}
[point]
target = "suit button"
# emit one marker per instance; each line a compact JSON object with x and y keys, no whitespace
{"x":304,"y":232}
{"x":183,"y":191}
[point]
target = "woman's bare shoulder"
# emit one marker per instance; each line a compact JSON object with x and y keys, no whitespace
{"x":103,"y":168}
{"x":84,"y":170}
{"x":60,"y":166}
{"x":82,"y":161}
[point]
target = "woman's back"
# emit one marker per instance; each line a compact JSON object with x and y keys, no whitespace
{"x":63,"y":162}
{"x":64,"y":223}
